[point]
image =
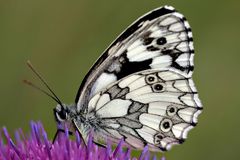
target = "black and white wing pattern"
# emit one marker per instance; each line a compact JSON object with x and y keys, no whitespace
{"x":141,"y":88}
{"x":159,"y":40}
{"x":151,"y":107}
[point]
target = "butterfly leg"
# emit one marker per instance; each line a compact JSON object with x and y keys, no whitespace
{"x":100,"y":145}
{"x":57,"y":132}
{"x":55,"y":137}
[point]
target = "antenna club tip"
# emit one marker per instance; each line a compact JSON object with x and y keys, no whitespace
{"x":25,"y":81}
{"x":29,"y":63}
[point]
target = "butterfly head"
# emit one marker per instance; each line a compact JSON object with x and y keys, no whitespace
{"x":66,"y":115}
{"x":61,"y":113}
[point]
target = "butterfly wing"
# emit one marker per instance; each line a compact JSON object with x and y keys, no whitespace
{"x":161,"y":39}
{"x":157,"y":108}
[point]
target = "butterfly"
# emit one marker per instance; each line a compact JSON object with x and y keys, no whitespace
{"x":141,"y":88}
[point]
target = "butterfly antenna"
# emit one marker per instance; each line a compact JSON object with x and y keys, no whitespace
{"x":40,"y":89}
{"x":54,"y":96}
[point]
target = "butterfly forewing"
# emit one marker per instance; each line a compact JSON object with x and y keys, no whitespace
{"x":161,"y":39}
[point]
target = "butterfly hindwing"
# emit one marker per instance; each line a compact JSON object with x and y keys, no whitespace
{"x":151,"y":107}
{"x":160,"y":40}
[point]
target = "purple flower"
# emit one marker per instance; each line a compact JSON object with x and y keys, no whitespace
{"x":37,"y":146}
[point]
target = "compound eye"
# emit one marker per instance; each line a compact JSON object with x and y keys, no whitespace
{"x":61,"y":115}
{"x":151,"y":79}
{"x":166,"y":125}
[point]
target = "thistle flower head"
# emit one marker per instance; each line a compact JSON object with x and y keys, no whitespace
{"x":38,"y":146}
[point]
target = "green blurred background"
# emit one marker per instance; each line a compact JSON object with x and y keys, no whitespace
{"x":64,"y":38}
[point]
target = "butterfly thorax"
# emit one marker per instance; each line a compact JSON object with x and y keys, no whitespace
{"x":67,"y":115}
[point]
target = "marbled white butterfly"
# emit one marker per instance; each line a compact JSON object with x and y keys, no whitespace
{"x":140,"y":89}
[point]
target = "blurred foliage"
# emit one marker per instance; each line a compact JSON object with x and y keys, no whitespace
{"x":64,"y":38}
